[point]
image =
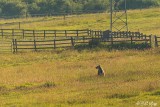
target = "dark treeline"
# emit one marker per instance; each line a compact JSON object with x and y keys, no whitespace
{"x":22,"y":8}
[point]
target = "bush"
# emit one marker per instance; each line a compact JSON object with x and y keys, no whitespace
{"x":94,"y":43}
{"x":48,"y":85}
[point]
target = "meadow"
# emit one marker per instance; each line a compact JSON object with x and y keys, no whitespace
{"x":146,"y":21}
{"x":68,"y":78}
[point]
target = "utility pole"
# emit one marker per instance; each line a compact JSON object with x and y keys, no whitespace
{"x":118,"y":17}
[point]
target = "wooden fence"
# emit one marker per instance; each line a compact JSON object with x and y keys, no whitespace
{"x":41,"y":34}
{"x":157,"y":41}
{"x":52,"y":39}
{"x":5,"y":46}
{"x":36,"y":45}
{"x":50,"y":34}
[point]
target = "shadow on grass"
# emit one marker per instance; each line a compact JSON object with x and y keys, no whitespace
{"x":156,"y":93}
{"x":122,"y":96}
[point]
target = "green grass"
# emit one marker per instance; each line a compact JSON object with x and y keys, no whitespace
{"x":145,"y":21}
{"x":68,"y":78}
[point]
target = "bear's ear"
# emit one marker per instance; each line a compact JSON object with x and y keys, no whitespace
{"x":97,"y":66}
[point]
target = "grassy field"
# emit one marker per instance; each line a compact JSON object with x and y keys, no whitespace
{"x":68,"y":78}
{"x":146,"y":21}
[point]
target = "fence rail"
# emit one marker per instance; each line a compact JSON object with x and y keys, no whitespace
{"x":36,"y":45}
{"x":50,"y":34}
{"x":5,"y":46}
{"x":53,"y":39}
{"x":41,"y":34}
{"x":157,"y":41}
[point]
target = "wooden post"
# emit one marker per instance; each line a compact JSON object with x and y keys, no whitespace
{"x":35,"y":48}
{"x":101,"y":34}
{"x":23,"y":33}
{"x":34,"y":34}
{"x":16,"y":45}
{"x":54,"y":41}
{"x":150,"y":40}
{"x":141,"y":35}
{"x":77,"y":32}
{"x":13,"y":45}
{"x":145,"y":37}
{"x":90,"y":32}
{"x":44,"y":34}
{"x":65,"y":33}
{"x":72,"y":42}
{"x":111,"y":39}
{"x":87,"y":32}
{"x":156,"y":42}
{"x":129,"y":34}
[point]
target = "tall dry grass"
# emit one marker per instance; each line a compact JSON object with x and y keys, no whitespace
{"x":69,"y":78}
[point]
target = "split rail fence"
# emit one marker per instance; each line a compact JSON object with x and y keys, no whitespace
{"x":36,"y":45}
{"x":41,"y":34}
{"x":157,"y":41}
{"x":26,"y":40}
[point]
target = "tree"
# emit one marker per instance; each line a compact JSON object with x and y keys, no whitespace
{"x":13,"y":8}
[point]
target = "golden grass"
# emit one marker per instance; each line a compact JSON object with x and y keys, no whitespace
{"x":130,"y":74}
{"x":68,"y":78}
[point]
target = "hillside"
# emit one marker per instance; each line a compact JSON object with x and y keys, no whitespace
{"x":145,"y":21}
{"x":68,"y":78}
{"x":25,"y":8}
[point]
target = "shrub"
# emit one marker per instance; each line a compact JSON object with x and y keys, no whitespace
{"x":48,"y":85}
{"x":94,"y":43}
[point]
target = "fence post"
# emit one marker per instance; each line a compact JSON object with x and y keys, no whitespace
{"x":111,"y":38}
{"x":141,"y":35}
{"x":65,"y":33}
{"x":101,"y":34}
{"x":156,"y":41}
{"x":72,"y":42}
{"x":34,"y":34}
{"x":35,"y":48}
{"x":16,"y":45}
{"x":54,"y":41}
{"x":145,"y":37}
{"x":13,"y":46}
{"x":77,"y":32}
{"x":150,"y":40}
{"x":44,"y":34}
{"x":87,"y":32}
{"x":90,"y":32}
{"x":23,"y":33}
